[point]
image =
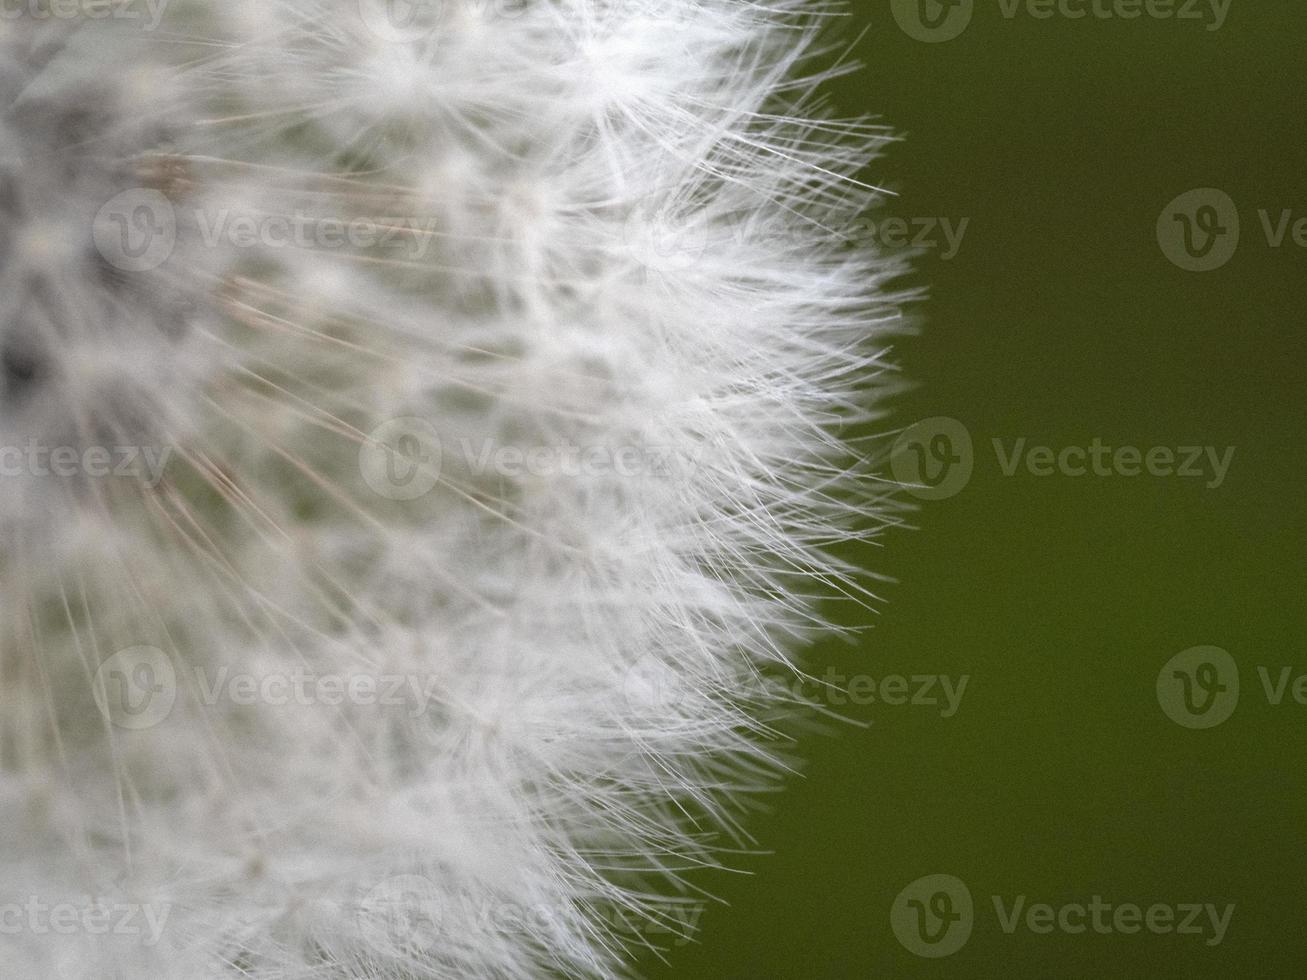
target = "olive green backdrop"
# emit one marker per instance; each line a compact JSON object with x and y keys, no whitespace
{"x":1061,"y":320}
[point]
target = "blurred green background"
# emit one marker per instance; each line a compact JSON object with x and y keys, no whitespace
{"x":1060,"y":319}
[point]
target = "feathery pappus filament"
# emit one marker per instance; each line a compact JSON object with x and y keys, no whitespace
{"x":422,"y":435}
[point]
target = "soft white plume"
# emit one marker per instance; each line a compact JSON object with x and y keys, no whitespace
{"x":472,"y":385}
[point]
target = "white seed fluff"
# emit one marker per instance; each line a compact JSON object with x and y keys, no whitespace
{"x":422,"y":429}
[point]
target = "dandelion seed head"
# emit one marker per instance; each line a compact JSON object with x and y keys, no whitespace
{"x":450,"y":351}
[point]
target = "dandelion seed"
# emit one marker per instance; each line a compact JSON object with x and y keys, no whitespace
{"x":468,"y":570}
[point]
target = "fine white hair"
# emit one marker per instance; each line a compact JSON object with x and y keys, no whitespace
{"x":424,"y":439}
